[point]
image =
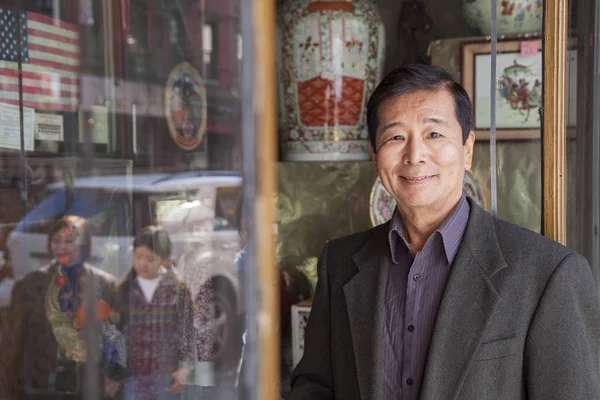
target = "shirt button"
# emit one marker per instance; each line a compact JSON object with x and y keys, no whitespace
{"x":410,"y":382}
{"x":416,"y":277}
{"x":411,"y":328}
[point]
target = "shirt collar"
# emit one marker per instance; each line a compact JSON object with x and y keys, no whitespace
{"x":451,"y":230}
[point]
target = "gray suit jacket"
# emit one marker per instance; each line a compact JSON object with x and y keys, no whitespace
{"x":519,"y":319}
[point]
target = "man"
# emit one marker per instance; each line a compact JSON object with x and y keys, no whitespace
{"x":444,"y":301}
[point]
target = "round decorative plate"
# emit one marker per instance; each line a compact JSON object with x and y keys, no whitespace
{"x":382,"y":204}
{"x":185,"y":106}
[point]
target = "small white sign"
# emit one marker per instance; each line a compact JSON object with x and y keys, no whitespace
{"x":100,"y":124}
{"x":49,"y":127}
{"x":10,"y":127}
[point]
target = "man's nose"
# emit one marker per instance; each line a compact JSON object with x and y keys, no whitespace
{"x":415,"y":151}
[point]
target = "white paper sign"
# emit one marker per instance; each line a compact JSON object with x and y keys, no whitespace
{"x":10,"y":127}
{"x":100,"y":126}
{"x":49,"y":127}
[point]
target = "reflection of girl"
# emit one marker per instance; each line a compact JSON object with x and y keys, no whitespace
{"x":45,"y":342}
{"x":157,"y":320}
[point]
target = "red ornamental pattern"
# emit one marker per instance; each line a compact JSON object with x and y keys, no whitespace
{"x":320,"y":106}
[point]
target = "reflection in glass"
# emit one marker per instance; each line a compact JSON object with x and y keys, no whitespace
{"x":125,"y":114}
{"x":44,"y":346}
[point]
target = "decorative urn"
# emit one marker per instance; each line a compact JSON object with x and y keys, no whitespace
{"x":330,"y":60}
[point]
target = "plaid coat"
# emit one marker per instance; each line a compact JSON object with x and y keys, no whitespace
{"x":159,"y":334}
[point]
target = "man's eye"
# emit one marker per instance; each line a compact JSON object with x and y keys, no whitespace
{"x":434,"y":135}
{"x":398,"y":137}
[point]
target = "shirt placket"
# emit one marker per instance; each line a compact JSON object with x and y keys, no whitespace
{"x":411,"y":320}
{"x":394,"y":308}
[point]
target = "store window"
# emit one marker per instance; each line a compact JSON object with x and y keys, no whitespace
{"x":120,"y":157}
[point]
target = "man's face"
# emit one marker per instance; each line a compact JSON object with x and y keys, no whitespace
{"x":420,"y":156}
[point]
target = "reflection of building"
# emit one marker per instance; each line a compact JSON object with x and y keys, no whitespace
{"x":125,"y":51}
{"x":113,"y":63}
{"x":157,"y":35}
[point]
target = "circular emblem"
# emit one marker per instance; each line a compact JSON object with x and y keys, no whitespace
{"x":185,"y":102}
{"x":382,"y":204}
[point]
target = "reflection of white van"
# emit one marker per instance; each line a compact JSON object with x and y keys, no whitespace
{"x":198,"y":209}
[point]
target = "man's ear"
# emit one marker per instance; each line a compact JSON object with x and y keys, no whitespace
{"x":373,"y":155}
{"x":468,"y":148}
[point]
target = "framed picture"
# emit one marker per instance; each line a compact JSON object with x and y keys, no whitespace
{"x":518,"y":88}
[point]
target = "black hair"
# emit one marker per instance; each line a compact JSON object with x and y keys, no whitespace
{"x":413,"y":78}
{"x":155,"y":238}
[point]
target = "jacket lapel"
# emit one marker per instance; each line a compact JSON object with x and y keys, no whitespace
{"x":364,"y":294}
{"x":468,"y":303}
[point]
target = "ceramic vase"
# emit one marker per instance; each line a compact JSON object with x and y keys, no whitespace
{"x":513,"y":17}
{"x":330,"y":60}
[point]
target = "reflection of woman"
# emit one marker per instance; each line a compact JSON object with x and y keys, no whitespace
{"x":44,"y":348}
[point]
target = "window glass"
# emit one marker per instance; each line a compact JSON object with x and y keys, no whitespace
{"x":120,"y":157}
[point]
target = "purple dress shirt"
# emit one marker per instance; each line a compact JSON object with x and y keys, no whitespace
{"x":413,"y":293}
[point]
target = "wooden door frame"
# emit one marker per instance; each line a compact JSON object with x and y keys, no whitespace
{"x":259,"y":146}
{"x":265,"y":102}
{"x":554,"y":118}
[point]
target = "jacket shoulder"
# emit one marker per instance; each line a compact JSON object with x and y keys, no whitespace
{"x":533,"y":256}
{"x":515,"y":240}
{"x":33,"y":277}
{"x":527,"y":254}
